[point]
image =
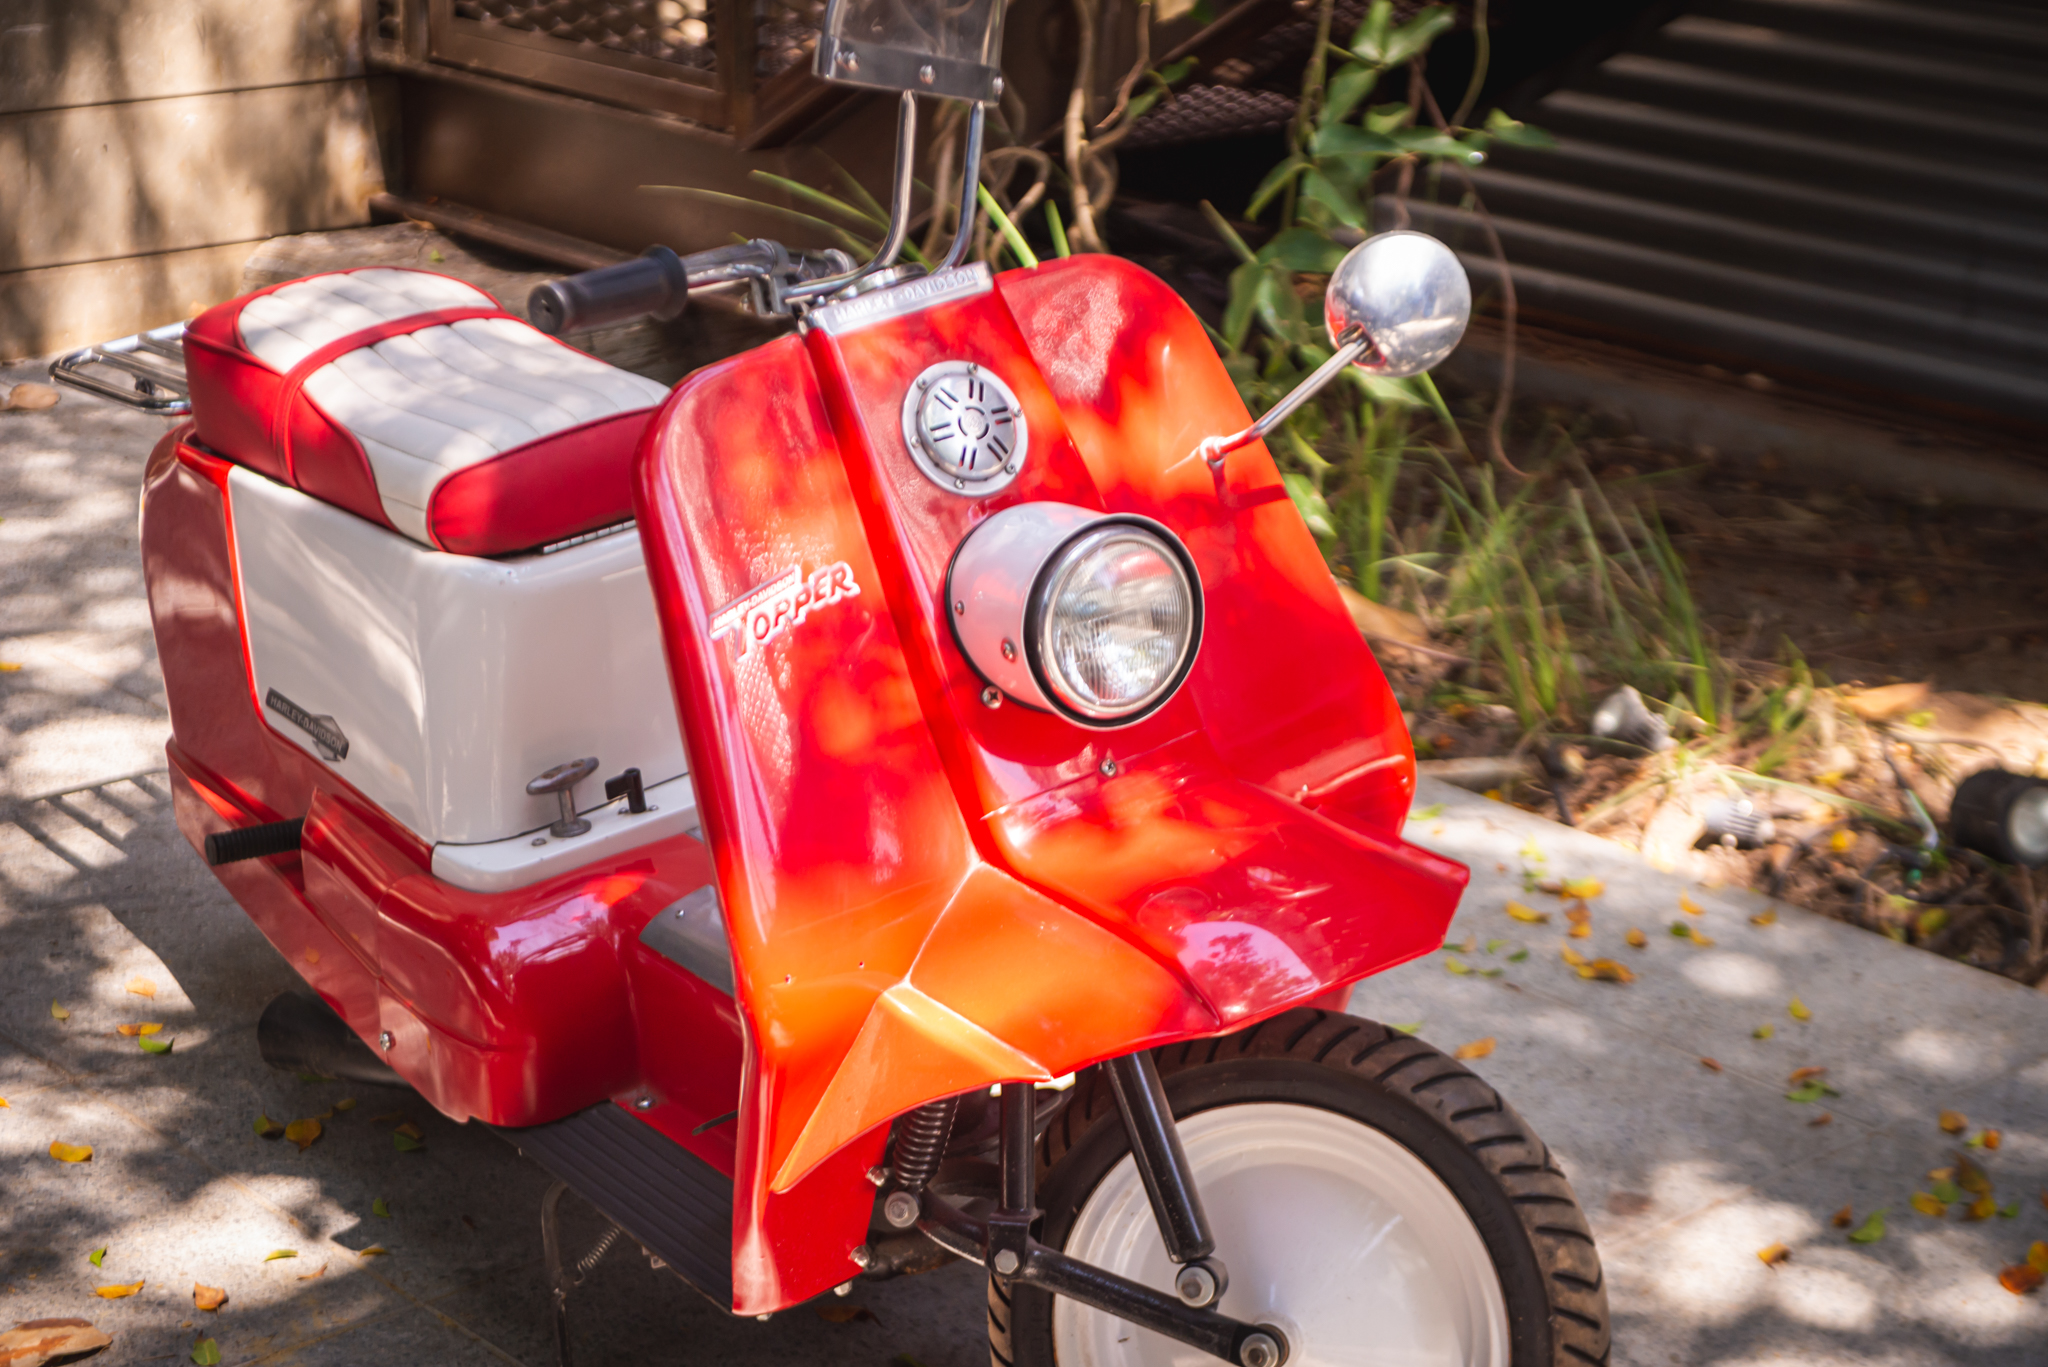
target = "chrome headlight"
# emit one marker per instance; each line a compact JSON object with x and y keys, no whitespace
{"x":1095,"y":616}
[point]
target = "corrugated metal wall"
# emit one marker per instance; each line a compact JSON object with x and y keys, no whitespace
{"x":1849,"y":193}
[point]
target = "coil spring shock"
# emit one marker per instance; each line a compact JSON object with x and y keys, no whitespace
{"x":922,"y":1141}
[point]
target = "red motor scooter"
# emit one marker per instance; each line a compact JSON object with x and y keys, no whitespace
{"x":997,"y":803}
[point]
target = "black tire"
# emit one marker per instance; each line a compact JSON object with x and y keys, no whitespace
{"x":1486,"y":1154}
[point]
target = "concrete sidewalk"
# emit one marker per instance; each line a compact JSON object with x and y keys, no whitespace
{"x":1686,"y":1172}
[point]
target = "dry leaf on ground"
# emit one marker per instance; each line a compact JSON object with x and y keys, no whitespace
{"x":1892,"y":700}
{"x":141,"y":986}
{"x":115,"y":1293}
{"x":30,"y":397}
{"x":1380,"y":622}
{"x":1983,"y":1208}
{"x":35,"y":1342}
{"x":1929,"y":1204}
{"x":1711,"y":1065}
{"x":1774,"y":1254}
{"x":1688,"y":906}
{"x":155,"y":1046}
{"x":70,"y":1153}
{"x":1765,"y":918}
{"x":1478,"y":1048}
{"x":1585,"y":889}
{"x":141,"y":1028}
{"x":1608,"y":971}
{"x":206,"y":1353}
{"x":1572,"y":956}
{"x":277,"y":1253}
{"x":319,"y":1271}
{"x":1764,"y":1031}
{"x":59,"y":1012}
{"x":302,"y":1133}
{"x":1636,"y":938}
{"x":98,"y":1257}
{"x":375,"y":1251}
{"x":1529,"y":914}
{"x":3,"y":1103}
{"x":1990,"y":1139}
{"x":2037,"y":1256}
{"x":2021,"y":1279}
{"x":1799,"y":1075}
{"x":1971,"y":1178}
{"x":1824,"y":1118}
{"x":1871,"y":1230}
{"x":411,"y":1131}
{"x":1799,"y":1010}
{"x":1844,"y":1217}
{"x":208,"y":1297}
{"x":267,"y":1128}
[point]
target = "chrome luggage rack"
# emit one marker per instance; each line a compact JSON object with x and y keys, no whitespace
{"x":153,"y":362}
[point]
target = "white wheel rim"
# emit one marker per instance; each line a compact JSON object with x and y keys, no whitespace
{"x":1329,"y":1229}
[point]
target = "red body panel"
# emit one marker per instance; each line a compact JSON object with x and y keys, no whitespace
{"x":926,"y":895}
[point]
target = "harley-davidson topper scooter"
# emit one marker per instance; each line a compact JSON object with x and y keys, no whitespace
{"x":910,"y":793}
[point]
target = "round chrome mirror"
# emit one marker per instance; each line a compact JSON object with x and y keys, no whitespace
{"x":1409,"y":294}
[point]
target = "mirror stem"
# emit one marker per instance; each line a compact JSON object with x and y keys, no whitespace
{"x":899,"y":208}
{"x":970,"y":177}
{"x":1213,"y":449}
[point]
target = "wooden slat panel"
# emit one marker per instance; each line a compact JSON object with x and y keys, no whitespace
{"x":63,"y":307}
{"x":88,"y":184}
{"x":61,"y":53}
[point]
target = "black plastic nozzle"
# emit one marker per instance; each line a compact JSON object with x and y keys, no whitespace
{"x":254,"y":842}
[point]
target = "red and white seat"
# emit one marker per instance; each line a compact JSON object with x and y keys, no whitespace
{"x":413,"y":400}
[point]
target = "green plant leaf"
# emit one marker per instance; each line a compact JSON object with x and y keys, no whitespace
{"x":1309,"y":502}
{"x":1811,"y":1091}
{"x":1429,"y":813}
{"x":1407,"y":1029}
{"x":1428,"y":142}
{"x":1276,"y":181}
{"x":381,"y":1208}
{"x":1322,"y":188}
{"x":1518,"y":956}
{"x":1347,"y":90}
{"x":1871,"y":1230}
{"x":1237,"y":314}
{"x":1347,"y":139}
{"x":206,"y":1353}
{"x":1413,"y":38}
{"x":405,"y":1143}
{"x":1009,"y":230}
{"x":152,"y":1045}
{"x":277,"y":1253}
{"x":1302,"y":249}
{"x":1515,"y":133}
{"x":97,"y":1257}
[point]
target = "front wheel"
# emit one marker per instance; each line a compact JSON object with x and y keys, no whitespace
{"x":1368,"y":1195}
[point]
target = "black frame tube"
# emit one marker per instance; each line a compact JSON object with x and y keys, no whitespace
{"x":1162,"y":1162}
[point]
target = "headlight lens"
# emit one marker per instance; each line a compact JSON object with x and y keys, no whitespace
{"x":2027,"y":827}
{"x":1117,"y":619}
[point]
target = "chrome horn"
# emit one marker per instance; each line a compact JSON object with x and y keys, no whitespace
{"x":1396,"y":305}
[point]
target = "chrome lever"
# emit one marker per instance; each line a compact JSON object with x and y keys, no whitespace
{"x":561,"y":781}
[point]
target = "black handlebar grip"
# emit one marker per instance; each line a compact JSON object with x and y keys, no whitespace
{"x":654,"y":283}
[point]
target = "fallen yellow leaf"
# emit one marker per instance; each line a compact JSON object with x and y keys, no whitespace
{"x":1586,"y":889}
{"x":1494,"y":795}
{"x":1688,"y":906}
{"x":1775,"y":1254}
{"x":1983,"y":1208}
{"x":2022,"y":1279}
{"x":319,"y":1271}
{"x":1636,"y":938}
{"x":70,"y":1153}
{"x":1990,"y":1139}
{"x":1844,"y":1217}
{"x":1929,"y":1204}
{"x":8,"y":667}
{"x":144,"y":1028}
{"x":1824,"y":1118}
{"x":302,"y":1133}
{"x":1572,"y":957}
{"x":59,"y":1012}
{"x":375,"y":1251}
{"x":1478,"y":1048}
{"x":3,"y":1103}
{"x":114,"y":1293}
{"x":1766,"y":917}
{"x":277,"y":1253}
{"x":411,"y":1131}
{"x":1799,"y":1010}
{"x":1953,"y":1122}
{"x":1971,"y":1178}
{"x":1799,"y":1075}
{"x":1607,"y":970}
{"x":141,"y":986}
{"x":2037,"y":1256}
{"x":1712,"y":1065}
{"x":208,"y":1297}
{"x":1529,"y":914}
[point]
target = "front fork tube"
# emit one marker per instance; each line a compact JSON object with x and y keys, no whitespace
{"x":1163,"y":1166}
{"x":1004,"y":1244}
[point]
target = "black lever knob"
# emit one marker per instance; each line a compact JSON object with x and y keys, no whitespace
{"x":629,"y":787}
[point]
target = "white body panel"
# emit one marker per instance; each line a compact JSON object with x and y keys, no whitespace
{"x":454,"y":679}
{"x":527,"y":859}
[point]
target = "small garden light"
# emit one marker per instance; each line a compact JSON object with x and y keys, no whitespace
{"x":1624,"y":717}
{"x":2002,"y":814}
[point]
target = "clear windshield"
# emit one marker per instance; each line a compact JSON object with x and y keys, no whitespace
{"x":926,"y":46}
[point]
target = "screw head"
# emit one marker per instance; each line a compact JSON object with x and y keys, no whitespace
{"x":900,"y":1210}
{"x":925,"y":74}
{"x":996,"y":85}
{"x":1009,"y":649}
{"x":643,"y":1103}
{"x":959,"y":607}
{"x":1259,"y":1349}
{"x":386,"y":1040}
{"x":1006,"y":1262}
{"x":878,"y":1174}
{"x":540,"y":840}
{"x":843,"y":1289}
{"x":1108,"y":767}
{"x":1195,"y":1285}
{"x":991,"y":696}
{"x":862,"y":1256}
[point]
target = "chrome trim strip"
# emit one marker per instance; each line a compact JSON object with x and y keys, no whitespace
{"x":900,"y":301}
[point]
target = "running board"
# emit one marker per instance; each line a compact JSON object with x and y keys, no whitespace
{"x":676,"y":1205}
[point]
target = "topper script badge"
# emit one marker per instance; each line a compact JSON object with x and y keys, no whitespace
{"x":763,"y":613}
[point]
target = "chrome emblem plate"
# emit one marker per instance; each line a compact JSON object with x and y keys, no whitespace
{"x":964,"y":428}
